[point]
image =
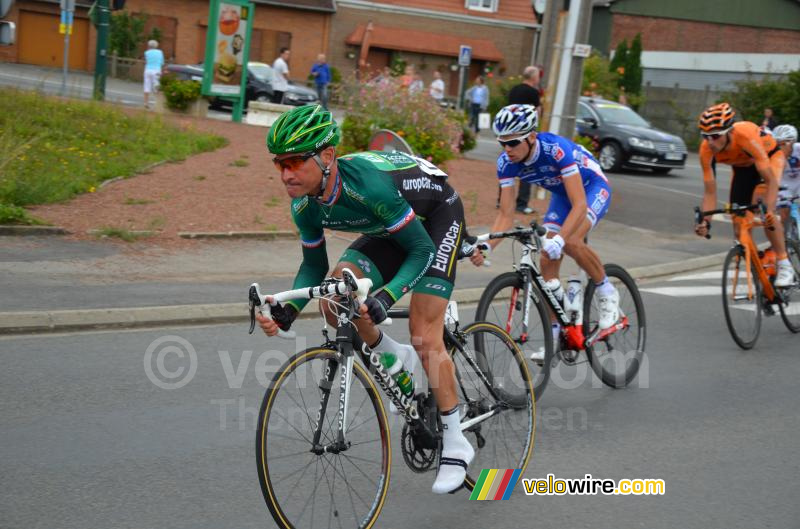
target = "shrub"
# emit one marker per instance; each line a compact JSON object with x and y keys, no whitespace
{"x":179,"y":94}
{"x":752,"y":96}
{"x":432,"y":132}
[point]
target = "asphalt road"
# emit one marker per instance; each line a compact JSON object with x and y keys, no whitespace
{"x":87,"y":440}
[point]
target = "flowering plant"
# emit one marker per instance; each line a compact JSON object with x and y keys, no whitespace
{"x":433,"y":132}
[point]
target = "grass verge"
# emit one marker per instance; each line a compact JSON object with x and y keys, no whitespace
{"x":54,"y":149}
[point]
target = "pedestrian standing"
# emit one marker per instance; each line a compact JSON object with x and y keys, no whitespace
{"x":322,"y":77}
{"x":153,"y":64}
{"x":769,"y":121}
{"x":416,"y":85}
{"x":437,"y":87}
{"x":479,"y":101}
{"x":280,"y":77}
{"x":526,"y":93}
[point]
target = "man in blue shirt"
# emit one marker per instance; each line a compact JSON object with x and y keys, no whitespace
{"x":580,"y":197}
{"x":322,"y":77}
{"x":478,"y":96}
{"x":154,"y":62}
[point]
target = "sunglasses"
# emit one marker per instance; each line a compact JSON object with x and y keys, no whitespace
{"x":711,"y":136}
{"x":292,"y":163}
{"x":513,"y":142}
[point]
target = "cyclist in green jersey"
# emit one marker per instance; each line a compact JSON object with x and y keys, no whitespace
{"x":411,"y":223}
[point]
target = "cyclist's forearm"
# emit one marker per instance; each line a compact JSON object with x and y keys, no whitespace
{"x":709,"y":195}
{"x":311,"y":272}
{"x":420,"y":255}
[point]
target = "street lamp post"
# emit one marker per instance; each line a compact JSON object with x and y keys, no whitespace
{"x":101,"y":64}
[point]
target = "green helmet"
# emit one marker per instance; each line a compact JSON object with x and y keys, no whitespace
{"x":303,"y":129}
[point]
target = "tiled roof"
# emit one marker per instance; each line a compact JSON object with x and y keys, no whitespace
{"x":312,"y":5}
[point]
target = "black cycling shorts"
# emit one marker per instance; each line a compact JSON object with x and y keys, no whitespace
{"x":744,"y":183}
{"x":379,"y":258}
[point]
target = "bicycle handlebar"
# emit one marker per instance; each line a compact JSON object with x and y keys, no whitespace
{"x":348,"y":285}
{"x":731,"y":209}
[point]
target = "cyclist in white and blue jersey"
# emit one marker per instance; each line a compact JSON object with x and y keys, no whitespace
{"x":580,"y":193}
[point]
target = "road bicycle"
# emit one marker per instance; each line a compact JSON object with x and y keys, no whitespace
{"x":792,"y":229}
{"x":747,"y":282}
{"x":323,"y":442}
{"x":518,"y":302}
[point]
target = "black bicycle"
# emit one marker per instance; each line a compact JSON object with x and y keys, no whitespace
{"x":518,"y":302}
{"x":323,"y":441}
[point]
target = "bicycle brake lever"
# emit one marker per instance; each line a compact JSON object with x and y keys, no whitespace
{"x":253,"y":301}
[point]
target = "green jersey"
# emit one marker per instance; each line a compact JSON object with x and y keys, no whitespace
{"x":379,"y":194}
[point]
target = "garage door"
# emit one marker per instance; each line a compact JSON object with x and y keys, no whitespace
{"x":41,"y":43}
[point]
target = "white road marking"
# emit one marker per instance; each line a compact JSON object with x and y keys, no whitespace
{"x":713,"y":274}
{"x":685,"y":292}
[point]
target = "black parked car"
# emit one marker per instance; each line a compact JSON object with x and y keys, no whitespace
{"x":626,"y":138}
{"x":259,"y":85}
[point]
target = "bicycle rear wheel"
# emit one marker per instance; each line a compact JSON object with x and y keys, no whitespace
{"x":502,"y":303}
{"x":305,"y":488}
{"x":790,"y":309}
{"x":503,"y":396}
{"x":616,"y":358}
{"x":741,"y":299}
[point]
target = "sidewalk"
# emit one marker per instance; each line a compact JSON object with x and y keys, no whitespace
{"x":55,"y":284}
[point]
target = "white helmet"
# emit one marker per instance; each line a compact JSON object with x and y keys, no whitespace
{"x":785,"y":133}
{"x":515,"y":119}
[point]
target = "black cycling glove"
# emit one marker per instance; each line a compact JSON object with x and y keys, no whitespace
{"x":283,"y":315}
{"x":378,"y":306}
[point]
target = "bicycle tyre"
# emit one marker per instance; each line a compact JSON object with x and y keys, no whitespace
{"x":602,"y":355}
{"x":734,"y":262}
{"x":273,"y":440}
{"x":494,"y":307}
{"x":791,"y":313}
{"x":510,"y":379}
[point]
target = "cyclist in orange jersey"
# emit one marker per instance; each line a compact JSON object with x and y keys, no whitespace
{"x":757,"y":164}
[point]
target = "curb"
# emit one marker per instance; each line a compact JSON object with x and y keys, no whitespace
{"x":30,"y":231}
{"x":263,"y":235}
{"x":42,"y":322}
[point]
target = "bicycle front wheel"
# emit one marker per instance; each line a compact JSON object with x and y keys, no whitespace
{"x":496,"y":398}
{"x":502,"y":303}
{"x":318,"y":485}
{"x":616,"y":358}
{"x":790,"y":309}
{"x":741,"y":299}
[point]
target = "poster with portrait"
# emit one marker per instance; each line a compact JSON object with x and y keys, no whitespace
{"x":227,"y":47}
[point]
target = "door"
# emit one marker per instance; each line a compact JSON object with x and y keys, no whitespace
{"x":41,"y":43}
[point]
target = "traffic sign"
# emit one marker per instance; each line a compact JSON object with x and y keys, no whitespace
{"x":582,"y":50}
{"x":464,"y":55}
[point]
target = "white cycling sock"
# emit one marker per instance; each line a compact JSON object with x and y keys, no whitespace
{"x":455,"y":447}
{"x":605,"y":287}
{"x":785,"y":262}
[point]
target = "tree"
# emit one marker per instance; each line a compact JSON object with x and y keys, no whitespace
{"x":632,"y":78}
{"x":127,"y":34}
{"x":620,"y":59}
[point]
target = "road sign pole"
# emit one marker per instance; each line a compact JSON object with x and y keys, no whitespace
{"x":66,"y":25}
{"x":464,"y":60}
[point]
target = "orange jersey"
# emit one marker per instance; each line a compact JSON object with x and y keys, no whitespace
{"x":747,"y":145}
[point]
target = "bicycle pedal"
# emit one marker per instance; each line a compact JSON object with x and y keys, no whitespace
{"x":457,"y":489}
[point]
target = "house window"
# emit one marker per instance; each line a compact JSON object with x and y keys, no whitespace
{"x":482,"y":5}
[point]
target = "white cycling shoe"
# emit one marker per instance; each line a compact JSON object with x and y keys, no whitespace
{"x":785,"y":277}
{"x":538,"y":356}
{"x":608,"y":307}
{"x":453,"y":463}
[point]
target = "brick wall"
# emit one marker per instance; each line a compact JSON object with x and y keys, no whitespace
{"x":515,"y":44}
{"x":188,"y":20}
{"x":664,"y":34}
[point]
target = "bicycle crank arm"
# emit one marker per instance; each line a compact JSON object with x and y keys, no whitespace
{"x":466,"y":425}
{"x":598,"y":335}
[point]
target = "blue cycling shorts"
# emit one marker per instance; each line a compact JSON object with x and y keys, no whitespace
{"x":598,"y":199}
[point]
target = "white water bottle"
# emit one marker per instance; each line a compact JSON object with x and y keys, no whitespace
{"x":573,"y":303}
{"x":554,"y":286}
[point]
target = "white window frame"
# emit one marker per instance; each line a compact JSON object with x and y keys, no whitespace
{"x":491,"y":9}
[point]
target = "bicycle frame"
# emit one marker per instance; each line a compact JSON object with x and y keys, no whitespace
{"x":573,"y":331}
{"x":744,"y":225}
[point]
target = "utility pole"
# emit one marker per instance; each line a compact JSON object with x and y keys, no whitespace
{"x":67,"y":13}
{"x":100,"y":65}
{"x":571,"y":69}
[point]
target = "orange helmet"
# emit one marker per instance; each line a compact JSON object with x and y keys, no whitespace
{"x":716,"y":119}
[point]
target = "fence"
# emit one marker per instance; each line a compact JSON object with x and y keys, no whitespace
{"x":125,"y":68}
{"x":675,"y":109}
